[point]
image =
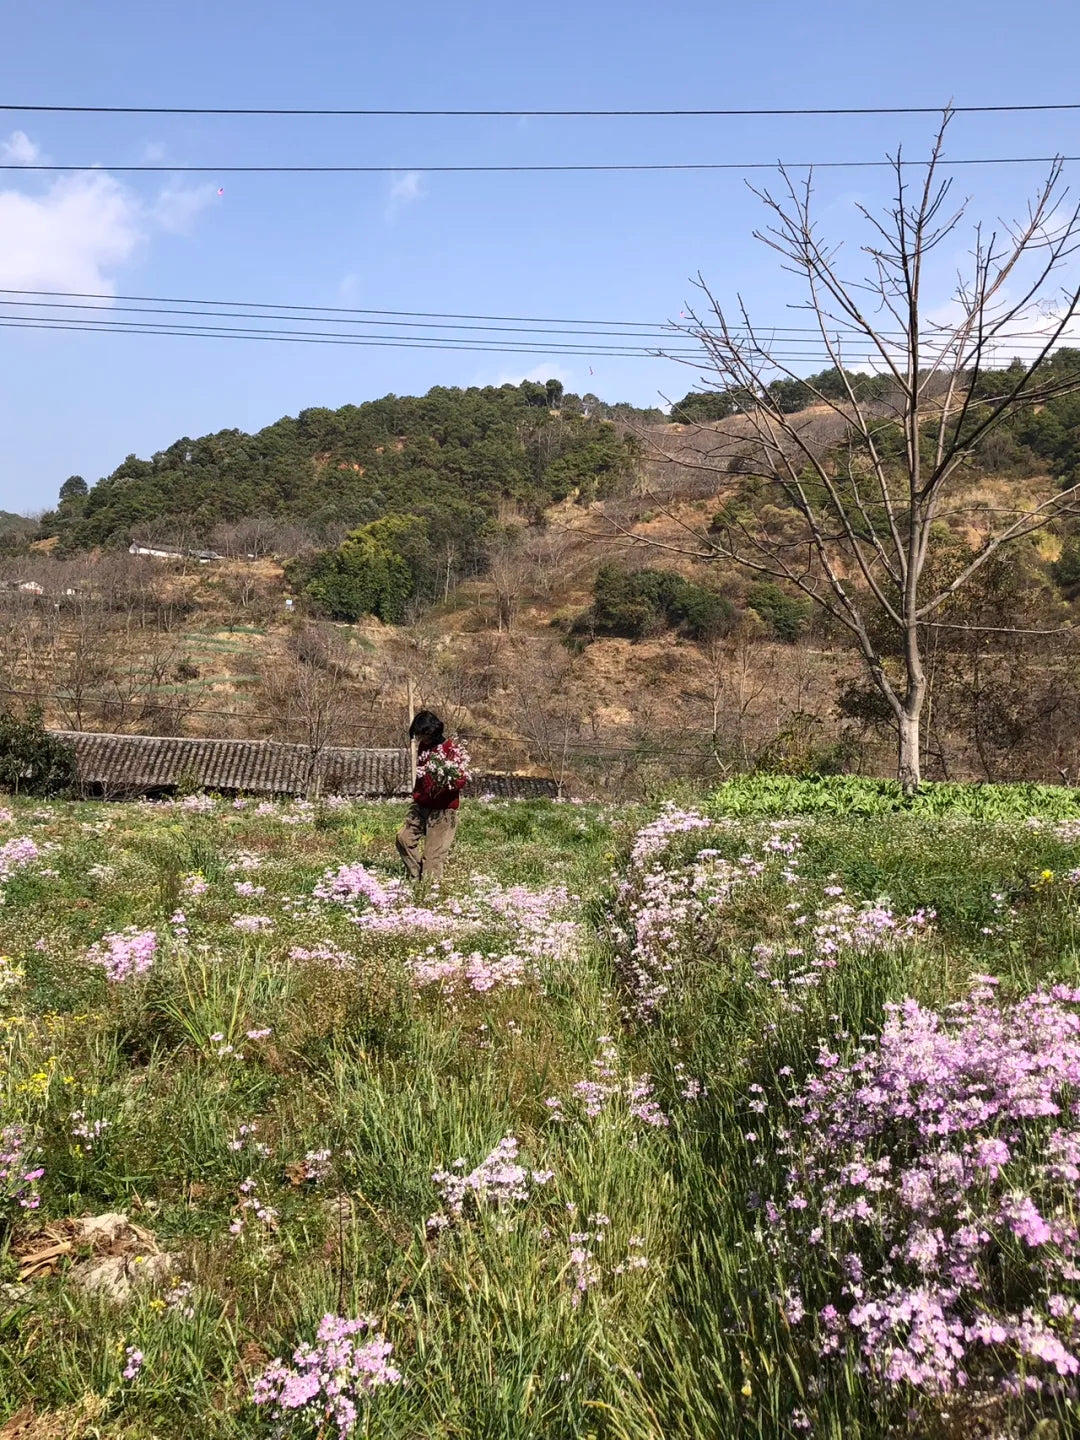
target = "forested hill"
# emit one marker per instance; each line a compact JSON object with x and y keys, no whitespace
{"x":449,"y":457}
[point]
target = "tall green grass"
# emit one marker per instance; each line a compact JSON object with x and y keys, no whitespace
{"x":397,"y":1084}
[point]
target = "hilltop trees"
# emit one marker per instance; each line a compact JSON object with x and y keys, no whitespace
{"x":337,"y":470}
{"x":398,"y":498}
{"x":73,"y":488}
{"x":789,"y":393}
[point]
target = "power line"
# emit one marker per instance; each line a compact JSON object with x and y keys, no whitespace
{"x":537,"y":114}
{"x":350,"y":309}
{"x":790,"y":345}
{"x":807,"y":336}
{"x":93,"y":700}
{"x":252,"y":313}
{"x":652,"y":327}
{"x":427,"y":315}
{"x":528,"y":346}
{"x":811,"y":338}
{"x":637,"y":167}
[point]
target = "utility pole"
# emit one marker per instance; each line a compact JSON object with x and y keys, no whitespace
{"x":412,"y":742}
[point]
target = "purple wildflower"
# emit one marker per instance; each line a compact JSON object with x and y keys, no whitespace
{"x":907,"y":1150}
{"x":328,"y":1381}
{"x":124,"y":954}
{"x":18,"y":1176}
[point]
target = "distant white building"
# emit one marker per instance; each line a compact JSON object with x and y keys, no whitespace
{"x":31,"y":587}
{"x":157,"y":552}
{"x":172,"y":552}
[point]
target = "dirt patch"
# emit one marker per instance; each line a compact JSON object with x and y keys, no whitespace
{"x":66,"y":1424}
{"x":108,"y":1255}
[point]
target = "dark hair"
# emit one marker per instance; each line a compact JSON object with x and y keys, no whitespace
{"x":427,"y":728}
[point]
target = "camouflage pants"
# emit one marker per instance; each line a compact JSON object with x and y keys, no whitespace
{"x":437,"y":828}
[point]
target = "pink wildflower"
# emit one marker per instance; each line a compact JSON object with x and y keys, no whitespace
{"x":124,"y":954}
{"x":328,"y":1381}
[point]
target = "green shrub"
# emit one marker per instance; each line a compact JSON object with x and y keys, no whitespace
{"x":644,"y":602}
{"x":372,"y":572}
{"x":1066,"y":569}
{"x":784,"y":615}
{"x":33,"y":762}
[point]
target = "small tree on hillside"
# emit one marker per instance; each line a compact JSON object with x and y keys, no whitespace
{"x":310,"y":695}
{"x":544,"y":705}
{"x":853,"y":528}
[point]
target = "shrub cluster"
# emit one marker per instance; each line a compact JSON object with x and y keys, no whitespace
{"x":636,"y":603}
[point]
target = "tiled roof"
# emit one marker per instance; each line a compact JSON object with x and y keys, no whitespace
{"x":136,"y":764}
{"x":263,"y":767}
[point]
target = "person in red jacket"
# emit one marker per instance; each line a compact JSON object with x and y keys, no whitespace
{"x":442,"y":771}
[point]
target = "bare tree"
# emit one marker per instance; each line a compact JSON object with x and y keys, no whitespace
{"x":548,"y":548}
{"x":853,"y":524}
{"x":249,"y":539}
{"x":309,"y":693}
{"x":545,"y":709}
{"x":81,"y":662}
{"x":735,"y":674}
{"x":507,"y":570}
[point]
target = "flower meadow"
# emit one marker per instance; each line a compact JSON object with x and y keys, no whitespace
{"x":712,"y":1117}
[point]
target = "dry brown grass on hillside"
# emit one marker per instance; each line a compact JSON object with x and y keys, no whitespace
{"x":161,"y":648}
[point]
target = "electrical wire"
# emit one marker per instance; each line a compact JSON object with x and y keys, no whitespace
{"x":99,"y":327}
{"x":253,"y":313}
{"x":664,"y":327}
{"x":335,"y":309}
{"x":822,"y":359}
{"x":639,"y":167}
{"x":1011,"y":109}
{"x":808,"y":337}
{"x":797,"y":345}
{"x":598,"y":749}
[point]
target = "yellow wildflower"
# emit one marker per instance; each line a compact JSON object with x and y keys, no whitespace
{"x":37,"y":1084}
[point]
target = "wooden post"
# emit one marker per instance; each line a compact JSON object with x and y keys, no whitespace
{"x":412,"y":743}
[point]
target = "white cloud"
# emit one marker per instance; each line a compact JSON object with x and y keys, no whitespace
{"x":404,"y":190}
{"x":75,"y":231}
{"x":68,"y":237}
{"x":19,"y":149}
{"x":177,"y":207}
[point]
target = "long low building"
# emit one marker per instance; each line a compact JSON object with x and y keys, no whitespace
{"x":121,"y":765}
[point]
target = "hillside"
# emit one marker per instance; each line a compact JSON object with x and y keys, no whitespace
{"x":454,"y":456}
{"x":450,"y":456}
{"x":532,"y":569}
{"x":16,"y":527}
{"x":573,"y":652}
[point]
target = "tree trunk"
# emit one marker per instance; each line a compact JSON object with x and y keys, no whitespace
{"x":908,"y":770}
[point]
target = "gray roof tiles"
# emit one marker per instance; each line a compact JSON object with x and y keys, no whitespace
{"x":136,"y":764}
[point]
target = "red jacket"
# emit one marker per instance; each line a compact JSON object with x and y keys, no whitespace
{"x":430,"y":794}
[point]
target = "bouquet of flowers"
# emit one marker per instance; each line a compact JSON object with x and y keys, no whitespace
{"x":446,"y":767}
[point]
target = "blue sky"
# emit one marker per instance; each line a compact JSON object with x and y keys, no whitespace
{"x":615,"y":246}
